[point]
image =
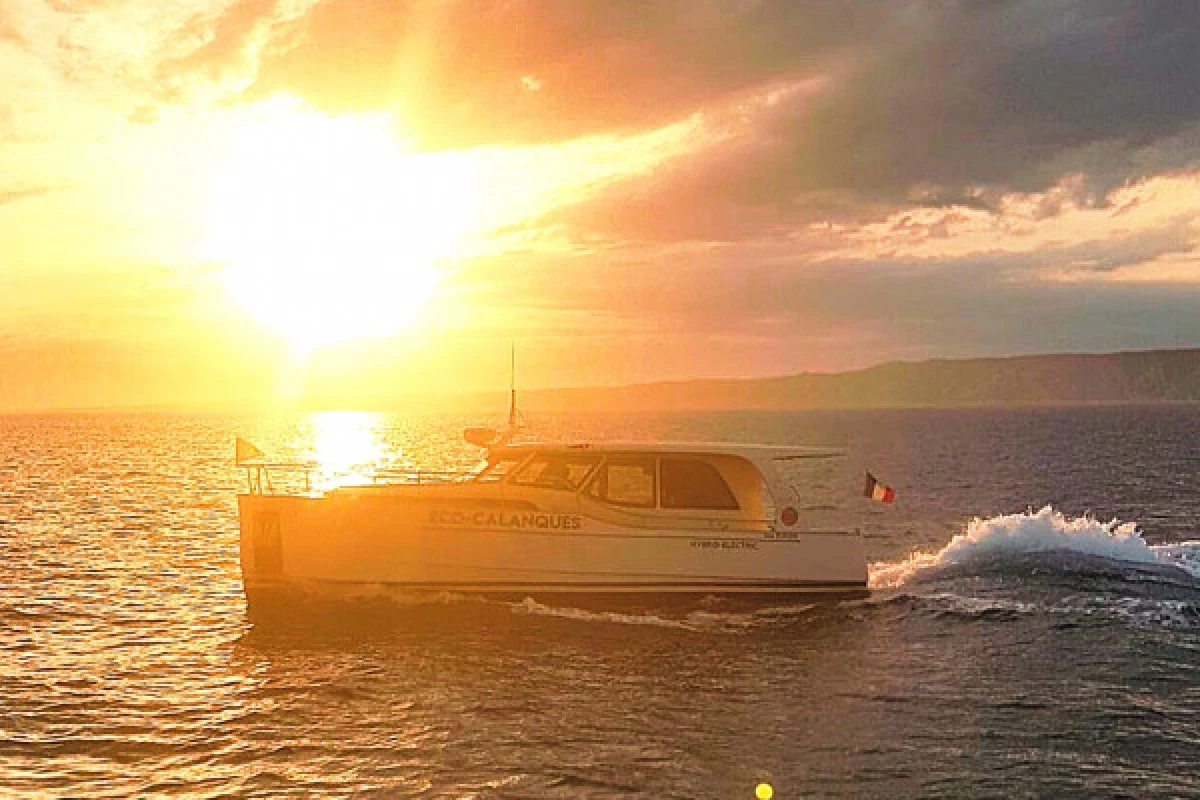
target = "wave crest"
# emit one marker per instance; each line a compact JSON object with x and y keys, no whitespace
{"x":1042,"y":531}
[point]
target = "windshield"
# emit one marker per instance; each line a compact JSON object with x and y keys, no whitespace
{"x":556,"y":471}
{"x":494,"y":471}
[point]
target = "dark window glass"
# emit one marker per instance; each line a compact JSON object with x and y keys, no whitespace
{"x":556,"y":471}
{"x":695,"y":483}
{"x":496,"y":470}
{"x":625,"y":482}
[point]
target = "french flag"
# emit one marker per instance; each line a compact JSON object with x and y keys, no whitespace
{"x":877,"y":491}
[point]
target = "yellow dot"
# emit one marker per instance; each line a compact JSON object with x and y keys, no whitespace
{"x":764,"y":791}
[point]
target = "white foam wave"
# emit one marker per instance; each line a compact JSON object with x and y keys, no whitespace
{"x":1039,"y":531}
{"x":977,"y":606}
{"x":696,"y":621}
{"x":531,"y":606}
{"x":1185,"y":555}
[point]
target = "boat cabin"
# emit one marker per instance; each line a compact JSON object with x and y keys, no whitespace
{"x":722,"y":486}
{"x":627,"y":482}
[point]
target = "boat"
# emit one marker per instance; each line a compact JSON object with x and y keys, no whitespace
{"x":628,"y":522}
{"x":552,"y":522}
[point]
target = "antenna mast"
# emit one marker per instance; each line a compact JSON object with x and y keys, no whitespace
{"x":512,"y":389}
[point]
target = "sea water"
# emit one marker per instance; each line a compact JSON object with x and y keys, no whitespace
{"x":1033,"y":627}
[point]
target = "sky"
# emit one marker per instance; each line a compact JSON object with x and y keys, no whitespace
{"x":345,"y":202}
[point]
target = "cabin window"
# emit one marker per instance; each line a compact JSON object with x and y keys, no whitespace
{"x":496,"y":470}
{"x":627,"y":481}
{"x":694,"y":483}
{"x":556,"y":471}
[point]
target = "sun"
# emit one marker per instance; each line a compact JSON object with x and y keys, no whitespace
{"x":326,"y":228}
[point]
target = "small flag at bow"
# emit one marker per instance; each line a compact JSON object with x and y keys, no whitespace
{"x":877,"y":491}
{"x":244,"y":451}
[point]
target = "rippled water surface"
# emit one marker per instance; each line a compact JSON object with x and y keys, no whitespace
{"x":1037,"y":654}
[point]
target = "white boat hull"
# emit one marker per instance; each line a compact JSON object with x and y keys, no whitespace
{"x":369,"y":546}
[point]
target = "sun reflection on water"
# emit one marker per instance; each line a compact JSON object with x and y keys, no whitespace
{"x":347,"y":447}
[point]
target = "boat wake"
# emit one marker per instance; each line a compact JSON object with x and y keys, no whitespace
{"x":696,"y":620}
{"x":998,"y":568}
{"x":1047,"y":539}
{"x":531,"y":607}
{"x":1079,"y":570}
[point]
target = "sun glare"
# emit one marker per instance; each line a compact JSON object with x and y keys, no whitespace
{"x":326,"y":228}
{"x":346,"y":445}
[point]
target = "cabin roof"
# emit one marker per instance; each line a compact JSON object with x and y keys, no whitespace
{"x":752,"y":452}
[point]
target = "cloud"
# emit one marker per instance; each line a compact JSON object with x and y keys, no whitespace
{"x":746,"y":286}
{"x":942,"y":93}
{"x":919,"y":281}
{"x":15,"y":195}
{"x":993,"y":93}
{"x":9,"y":31}
{"x":214,"y":54}
{"x":770,"y":307}
{"x":461,"y":71}
{"x":949,"y":104}
{"x":827,"y":106}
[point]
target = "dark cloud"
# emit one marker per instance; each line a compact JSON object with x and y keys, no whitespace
{"x":992,"y":93}
{"x":458,"y":68}
{"x":956,"y":105}
{"x":941,"y":92}
{"x":909,"y":101}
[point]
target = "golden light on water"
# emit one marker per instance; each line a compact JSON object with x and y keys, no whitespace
{"x":326,"y":229}
{"x":346,"y":446}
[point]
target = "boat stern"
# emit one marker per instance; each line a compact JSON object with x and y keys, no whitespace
{"x":261,"y":543}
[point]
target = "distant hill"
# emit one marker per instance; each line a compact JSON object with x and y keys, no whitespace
{"x":1130,"y":378}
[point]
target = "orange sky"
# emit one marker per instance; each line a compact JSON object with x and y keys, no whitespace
{"x":334,"y":202}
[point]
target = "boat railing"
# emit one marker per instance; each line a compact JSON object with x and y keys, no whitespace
{"x":261,"y":481}
{"x":388,"y":476}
